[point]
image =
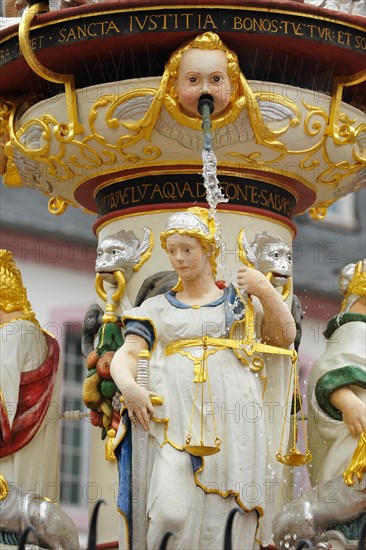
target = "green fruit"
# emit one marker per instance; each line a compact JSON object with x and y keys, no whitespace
{"x":108,"y":388}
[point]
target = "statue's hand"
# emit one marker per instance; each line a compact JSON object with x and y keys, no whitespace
{"x":352,"y":408}
{"x":253,"y":281}
{"x":138,"y":404}
{"x":355,"y":417}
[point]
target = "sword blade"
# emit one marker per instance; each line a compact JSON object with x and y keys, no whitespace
{"x":139,"y":482}
{"x":140,"y":442}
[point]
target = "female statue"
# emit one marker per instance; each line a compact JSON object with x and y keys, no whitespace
{"x":30,"y":383}
{"x":334,"y":507}
{"x":189,"y":332}
{"x":337,"y":381}
{"x":30,"y":403}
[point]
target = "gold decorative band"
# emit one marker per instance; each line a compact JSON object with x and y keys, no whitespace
{"x":228,"y":343}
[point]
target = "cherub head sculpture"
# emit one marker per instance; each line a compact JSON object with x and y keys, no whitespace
{"x":202,"y":65}
{"x":352,"y":283}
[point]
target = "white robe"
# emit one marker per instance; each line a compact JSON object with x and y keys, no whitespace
{"x":35,"y":467}
{"x":330,"y":441}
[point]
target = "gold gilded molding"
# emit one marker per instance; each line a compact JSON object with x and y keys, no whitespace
{"x":340,"y":127}
{"x":100,"y":151}
{"x":282,"y":100}
{"x":320,"y":211}
{"x":316,"y":124}
{"x":4,"y":489}
{"x":57,"y":206}
{"x":7,"y":166}
{"x":115,"y":102}
{"x":66,"y":132}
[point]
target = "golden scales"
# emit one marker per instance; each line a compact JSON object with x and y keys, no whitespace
{"x":201,"y":378}
{"x":250,"y":347}
{"x":294,"y":456}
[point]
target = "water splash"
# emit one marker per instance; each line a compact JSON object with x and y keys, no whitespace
{"x":214,"y":195}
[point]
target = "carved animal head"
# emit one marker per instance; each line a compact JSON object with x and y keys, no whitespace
{"x":122,"y":251}
{"x":270,"y":254}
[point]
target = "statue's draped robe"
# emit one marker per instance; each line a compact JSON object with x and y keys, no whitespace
{"x":30,"y":382}
{"x":343,"y":364}
{"x":185,"y":495}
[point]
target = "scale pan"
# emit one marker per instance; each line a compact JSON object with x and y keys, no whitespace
{"x":201,"y":450}
{"x":295,"y":458}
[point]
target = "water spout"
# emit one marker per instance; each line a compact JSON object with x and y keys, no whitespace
{"x":206,"y":108}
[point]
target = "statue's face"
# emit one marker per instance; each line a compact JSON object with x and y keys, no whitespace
{"x":203,"y":72}
{"x":187,"y":256}
{"x":277,"y":259}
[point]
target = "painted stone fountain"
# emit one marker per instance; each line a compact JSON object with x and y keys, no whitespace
{"x":99,"y":110}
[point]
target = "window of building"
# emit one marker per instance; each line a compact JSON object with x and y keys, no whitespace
{"x":75,"y":433}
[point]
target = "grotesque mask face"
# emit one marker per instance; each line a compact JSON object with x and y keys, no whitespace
{"x":277,"y":259}
{"x":114,"y":255}
{"x":203,"y":72}
{"x":121,"y":252}
{"x":110,"y":255}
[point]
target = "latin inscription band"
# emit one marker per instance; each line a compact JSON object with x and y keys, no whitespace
{"x":196,"y":19}
{"x":172,"y":190}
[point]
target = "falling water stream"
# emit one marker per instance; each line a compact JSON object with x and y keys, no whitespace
{"x":214,"y":194}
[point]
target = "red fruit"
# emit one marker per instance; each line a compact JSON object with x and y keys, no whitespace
{"x":104,"y":364}
{"x":96,"y":418}
{"x":220,"y":284}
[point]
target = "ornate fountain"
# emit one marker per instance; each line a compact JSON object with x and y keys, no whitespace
{"x":90,"y":116}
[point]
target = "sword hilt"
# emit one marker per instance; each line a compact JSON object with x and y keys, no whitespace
{"x":143,"y":369}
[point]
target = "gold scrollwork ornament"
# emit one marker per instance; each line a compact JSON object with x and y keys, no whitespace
{"x":64,"y":132}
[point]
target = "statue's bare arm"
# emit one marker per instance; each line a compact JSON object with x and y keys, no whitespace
{"x":278,"y":326}
{"x":353,"y":409}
